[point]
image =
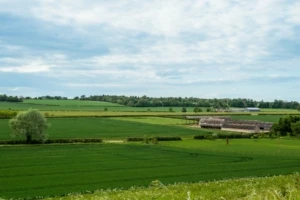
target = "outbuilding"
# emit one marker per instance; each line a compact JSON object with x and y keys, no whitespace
{"x":252,"y":109}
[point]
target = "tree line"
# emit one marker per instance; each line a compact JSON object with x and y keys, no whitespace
{"x":289,"y":125}
{"x":5,"y":98}
{"x":145,"y":101}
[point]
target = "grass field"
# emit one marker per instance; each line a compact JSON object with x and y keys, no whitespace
{"x":78,"y":105}
{"x":284,"y":187}
{"x":107,"y":128}
{"x":265,"y":118}
{"x":47,"y":170}
{"x":99,"y":106}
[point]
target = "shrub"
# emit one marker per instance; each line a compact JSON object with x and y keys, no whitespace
{"x":135,"y":139}
{"x":199,"y":137}
{"x":168,"y":138}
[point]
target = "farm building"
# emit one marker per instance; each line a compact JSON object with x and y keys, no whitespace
{"x":252,"y":110}
{"x":212,"y":122}
{"x":227,"y":124}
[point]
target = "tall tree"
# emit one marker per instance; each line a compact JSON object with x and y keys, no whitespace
{"x":31,"y":125}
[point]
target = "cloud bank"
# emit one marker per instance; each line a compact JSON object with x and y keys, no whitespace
{"x":206,"y":49}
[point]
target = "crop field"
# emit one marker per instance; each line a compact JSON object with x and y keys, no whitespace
{"x":108,"y":128}
{"x":50,"y":170}
{"x":78,"y":105}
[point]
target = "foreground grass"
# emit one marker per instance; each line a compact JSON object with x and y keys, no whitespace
{"x":54,"y":170}
{"x":276,"y":188}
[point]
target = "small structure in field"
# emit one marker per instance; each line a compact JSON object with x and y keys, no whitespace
{"x":213,"y":122}
{"x":252,"y":110}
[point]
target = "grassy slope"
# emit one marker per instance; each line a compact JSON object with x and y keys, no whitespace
{"x":56,"y":170}
{"x":105,"y":128}
{"x":277,"y":187}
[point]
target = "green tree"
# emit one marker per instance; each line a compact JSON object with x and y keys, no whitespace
{"x":183,"y":109}
{"x":31,"y":124}
{"x":296,"y":128}
{"x":197,"y":109}
{"x":171,"y":109}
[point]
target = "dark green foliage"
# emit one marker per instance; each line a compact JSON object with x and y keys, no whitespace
{"x":135,"y":139}
{"x":296,"y":128}
{"x":145,"y":101}
{"x":4,"y":97}
{"x":183,"y":109}
{"x":158,"y":138}
{"x":197,"y":109}
{"x":284,"y":126}
{"x":169,"y":138}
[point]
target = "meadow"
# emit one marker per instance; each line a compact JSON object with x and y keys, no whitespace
{"x":108,"y":128}
{"x":50,"y":170}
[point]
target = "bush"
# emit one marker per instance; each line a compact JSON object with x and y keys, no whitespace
{"x":168,"y":138}
{"x":199,"y":137}
{"x":135,"y":139}
{"x":146,"y":139}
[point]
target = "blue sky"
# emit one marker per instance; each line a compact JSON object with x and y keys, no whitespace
{"x":204,"y":48}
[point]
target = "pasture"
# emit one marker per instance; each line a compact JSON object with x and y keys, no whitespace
{"x":107,"y":128}
{"x":50,"y":170}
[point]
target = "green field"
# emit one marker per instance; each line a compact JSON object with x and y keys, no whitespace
{"x":265,"y":118}
{"x":78,"y":105}
{"x":47,"y":170}
{"x":107,"y":128}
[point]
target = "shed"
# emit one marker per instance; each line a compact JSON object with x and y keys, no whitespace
{"x":252,"y":110}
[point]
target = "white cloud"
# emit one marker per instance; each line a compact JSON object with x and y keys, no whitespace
{"x":31,"y":67}
{"x":167,"y":42}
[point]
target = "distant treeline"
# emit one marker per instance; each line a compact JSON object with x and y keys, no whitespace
{"x":4,"y":97}
{"x":145,"y":101}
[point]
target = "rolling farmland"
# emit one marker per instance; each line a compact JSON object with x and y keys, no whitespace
{"x":59,"y":169}
{"x":44,"y":170}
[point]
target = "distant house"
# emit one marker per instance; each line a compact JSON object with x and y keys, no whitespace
{"x":252,"y":110}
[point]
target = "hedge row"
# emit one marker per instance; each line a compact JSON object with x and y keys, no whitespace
{"x":232,"y":136}
{"x":51,"y":141}
{"x":158,"y":138}
{"x":7,"y":114}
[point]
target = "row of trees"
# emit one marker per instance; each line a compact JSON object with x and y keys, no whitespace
{"x":145,"y":101}
{"x":4,"y":97}
{"x":287,"y":126}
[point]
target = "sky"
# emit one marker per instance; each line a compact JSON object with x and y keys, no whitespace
{"x":190,"y":48}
